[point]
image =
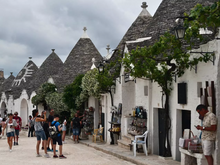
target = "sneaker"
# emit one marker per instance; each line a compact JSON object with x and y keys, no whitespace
{"x":10,"y":150}
{"x":55,"y":156}
{"x":62,"y":157}
{"x":42,"y":148}
{"x":47,"y":156}
{"x":63,"y":142}
{"x":48,"y":149}
{"x":14,"y":143}
{"x":56,"y":150}
{"x":38,"y":155}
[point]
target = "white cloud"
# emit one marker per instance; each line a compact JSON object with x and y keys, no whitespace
{"x":33,"y":28}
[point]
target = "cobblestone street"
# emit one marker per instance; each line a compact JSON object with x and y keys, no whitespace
{"x":78,"y":154}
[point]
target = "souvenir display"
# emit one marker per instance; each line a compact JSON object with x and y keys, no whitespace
{"x":138,"y":121}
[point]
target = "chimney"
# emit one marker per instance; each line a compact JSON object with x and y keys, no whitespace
{"x":1,"y":73}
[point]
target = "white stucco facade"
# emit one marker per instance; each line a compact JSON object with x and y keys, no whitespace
{"x":132,"y":94}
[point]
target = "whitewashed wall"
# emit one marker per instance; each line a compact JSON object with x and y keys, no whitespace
{"x":205,"y":72}
{"x":131,"y":95}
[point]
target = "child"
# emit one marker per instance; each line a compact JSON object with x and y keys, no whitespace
{"x":58,"y":138}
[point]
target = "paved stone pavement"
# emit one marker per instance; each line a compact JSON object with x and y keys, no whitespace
{"x":140,"y":159}
{"x":77,"y":154}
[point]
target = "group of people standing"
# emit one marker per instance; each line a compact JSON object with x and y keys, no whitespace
{"x":39,"y":127}
{"x":13,"y":126}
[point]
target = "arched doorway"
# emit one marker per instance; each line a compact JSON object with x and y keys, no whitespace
{"x":2,"y":109}
{"x":24,"y":112}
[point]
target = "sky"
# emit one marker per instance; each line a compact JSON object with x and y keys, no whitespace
{"x":33,"y":28}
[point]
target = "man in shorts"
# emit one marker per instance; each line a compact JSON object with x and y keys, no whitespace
{"x":58,"y":138}
{"x":18,"y":128}
{"x":75,"y":125}
{"x":208,"y":128}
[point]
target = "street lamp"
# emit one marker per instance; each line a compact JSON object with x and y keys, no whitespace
{"x":179,"y":30}
{"x":101,"y":67}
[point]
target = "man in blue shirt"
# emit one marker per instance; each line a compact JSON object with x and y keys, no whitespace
{"x":58,"y":139}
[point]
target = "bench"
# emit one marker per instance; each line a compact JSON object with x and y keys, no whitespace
{"x":188,"y":158}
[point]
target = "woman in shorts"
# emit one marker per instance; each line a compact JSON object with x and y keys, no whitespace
{"x":39,"y":132}
{"x":10,"y":125}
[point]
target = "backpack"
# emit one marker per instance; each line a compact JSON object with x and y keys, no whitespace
{"x":53,"y":131}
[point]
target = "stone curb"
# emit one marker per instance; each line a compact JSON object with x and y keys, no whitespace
{"x":115,"y":154}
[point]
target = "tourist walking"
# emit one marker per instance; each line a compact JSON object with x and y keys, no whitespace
{"x":39,"y":132}
{"x":64,"y":131}
{"x":30,"y":126}
{"x":57,"y":139}
{"x":50,"y":120}
{"x":208,"y":128}
{"x":18,"y":128}
{"x":10,"y":129}
{"x":75,"y":125}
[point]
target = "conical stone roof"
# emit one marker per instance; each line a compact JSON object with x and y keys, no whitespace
{"x":24,"y":78}
{"x":7,"y":85}
{"x":166,"y":14}
{"x":79,"y":60}
{"x":137,"y":29}
{"x":49,"y":69}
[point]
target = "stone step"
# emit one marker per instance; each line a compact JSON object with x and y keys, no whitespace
{"x":128,"y":138}
{"x":124,"y":144}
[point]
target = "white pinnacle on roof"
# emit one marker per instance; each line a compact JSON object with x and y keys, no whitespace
{"x":144,"y":12}
{"x":93,"y":64}
{"x":108,"y":56}
{"x":85,"y":34}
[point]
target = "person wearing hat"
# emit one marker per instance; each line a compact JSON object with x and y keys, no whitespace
{"x":17,"y":128}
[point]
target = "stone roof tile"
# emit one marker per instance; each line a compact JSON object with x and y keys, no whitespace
{"x":49,"y":68}
{"x":79,"y":61}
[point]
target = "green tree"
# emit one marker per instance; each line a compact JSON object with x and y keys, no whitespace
{"x":95,"y":83}
{"x":166,"y":58}
{"x":44,"y":90}
{"x":72,"y":91}
{"x":55,"y":101}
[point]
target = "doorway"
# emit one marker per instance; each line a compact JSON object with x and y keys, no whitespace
{"x":162,"y":131}
{"x":3,"y":108}
{"x":24,"y":112}
{"x":186,"y":120}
